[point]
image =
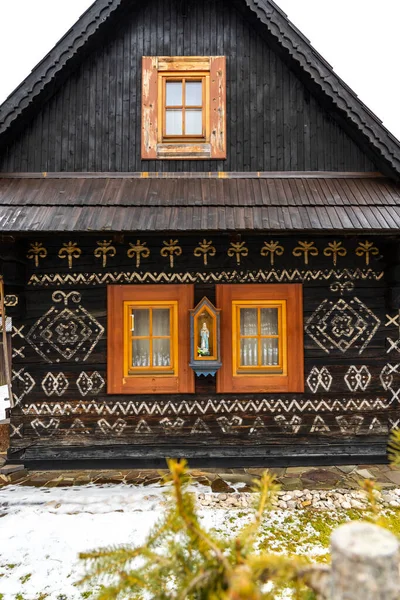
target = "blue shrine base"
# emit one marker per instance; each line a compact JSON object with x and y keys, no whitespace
{"x":205,"y":369}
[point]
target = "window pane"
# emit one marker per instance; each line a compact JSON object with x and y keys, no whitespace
{"x":194,"y":93}
{"x":161,"y":353}
{"x":140,"y":322}
{"x":269,"y":352}
{"x":194,"y":122}
{"x":140,"y":353}
{"x":173,"y":93}
{"x":248,"y":321}
{"x":248,"y":352}
{"x":161,"y":321}
{"x":269,"y":321}
{"x":173,"y":125}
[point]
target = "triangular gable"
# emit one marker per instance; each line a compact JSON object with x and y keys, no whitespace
{"x":324,"y":76}
{"x":365,"y":126}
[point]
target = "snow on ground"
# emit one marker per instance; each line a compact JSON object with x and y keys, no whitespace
{"x":42,"y":530}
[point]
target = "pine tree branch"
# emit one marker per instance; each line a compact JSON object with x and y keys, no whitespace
{"x":191,"y":525}
{"x":200,"y":578}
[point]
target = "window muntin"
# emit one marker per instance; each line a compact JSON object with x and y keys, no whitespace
{"x":184,"y":107}
{"x":259,"y":337}
{"x":151,"y":341}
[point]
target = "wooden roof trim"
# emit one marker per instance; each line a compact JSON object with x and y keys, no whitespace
{"x":198,"y":175}
{"x":322,"y":73}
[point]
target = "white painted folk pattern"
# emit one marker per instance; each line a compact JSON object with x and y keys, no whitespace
{"x":350,"y":424}
{"x":357,"y":378}
{"x":65,"y":332}
{"x":228,"y":425}
{"x":319,"y":426}
{"x":340,"y":325}
{"x":319,"y":378}
{"x":227,"y":276}
{"x":90,"y":383}
{"x":42,"y":428}
{"x":184,"y":407}
{"x":390,"y":380}
{"x":27,"y":382}
{"x":108,"y":428}
{"x":55,"y":384}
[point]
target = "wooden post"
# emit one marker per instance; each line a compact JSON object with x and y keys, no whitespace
{"x":365,"y":563}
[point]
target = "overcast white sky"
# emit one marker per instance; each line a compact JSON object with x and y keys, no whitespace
{"x":359,"y":38}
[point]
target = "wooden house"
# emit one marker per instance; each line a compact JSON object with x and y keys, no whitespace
{"x":177,"y":151}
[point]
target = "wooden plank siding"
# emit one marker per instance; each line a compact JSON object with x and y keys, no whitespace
{"x":63,"y":411}
{"x":93,"y":122}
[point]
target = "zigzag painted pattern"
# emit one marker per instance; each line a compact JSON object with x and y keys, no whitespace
{"x":215,"y":277}
{"x":207,"y":407}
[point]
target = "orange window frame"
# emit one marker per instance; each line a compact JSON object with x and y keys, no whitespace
{"x":154,"y":144}
{"x":183,"y":77}
{"x":129,"y":369}
{"x":260,"y":370}
{"x":230,"y":379}
{"x":119,"y":378}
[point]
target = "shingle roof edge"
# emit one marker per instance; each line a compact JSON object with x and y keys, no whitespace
{"x":55,"y":60}
{"x":323,"y":74}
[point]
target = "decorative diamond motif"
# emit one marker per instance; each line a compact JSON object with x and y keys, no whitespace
{"x":319,"y":378}
{"x":90,"y":383}
{"x":55,"y":384}
{"x":338,"y":325}
{"x":357,"y":378}
{"x":69,"y":333}
{"x":23,"y":382}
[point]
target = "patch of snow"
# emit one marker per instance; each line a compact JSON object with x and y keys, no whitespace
{"x":42,"y":531}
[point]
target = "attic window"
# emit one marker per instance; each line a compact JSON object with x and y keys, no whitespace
{"x":184,"y":113}
{"x":183,"y":107}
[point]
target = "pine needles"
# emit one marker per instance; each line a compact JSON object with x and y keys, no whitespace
{"x":180,"y":560}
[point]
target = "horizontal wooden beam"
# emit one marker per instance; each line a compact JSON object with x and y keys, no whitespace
{"x":197,"y":175}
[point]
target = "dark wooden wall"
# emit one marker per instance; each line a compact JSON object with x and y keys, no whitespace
{"x":92,"y":123}
{"x":60,"y":337}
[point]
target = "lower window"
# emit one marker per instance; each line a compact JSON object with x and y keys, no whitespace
{"x":148,"y":339}
{"x":264,"y":352}
{"x":259,"y":337}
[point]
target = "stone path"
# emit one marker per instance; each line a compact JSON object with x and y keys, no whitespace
{"x":218,"y":480}
{"x":301,"y":487}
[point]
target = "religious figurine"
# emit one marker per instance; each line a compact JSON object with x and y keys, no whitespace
{"x":204,"y":336}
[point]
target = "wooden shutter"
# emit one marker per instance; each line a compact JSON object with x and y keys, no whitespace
{"x":293,"y":381}
{"x":218,"y":106}
{"x":149,"y":107}
{"x":117,"y":382}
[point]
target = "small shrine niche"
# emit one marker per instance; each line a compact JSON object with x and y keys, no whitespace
{"x":205,"y":352}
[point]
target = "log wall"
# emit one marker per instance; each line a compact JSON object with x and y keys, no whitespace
{"x":352,"y":343}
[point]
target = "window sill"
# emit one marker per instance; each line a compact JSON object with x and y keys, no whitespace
{"x":175,"y":151}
